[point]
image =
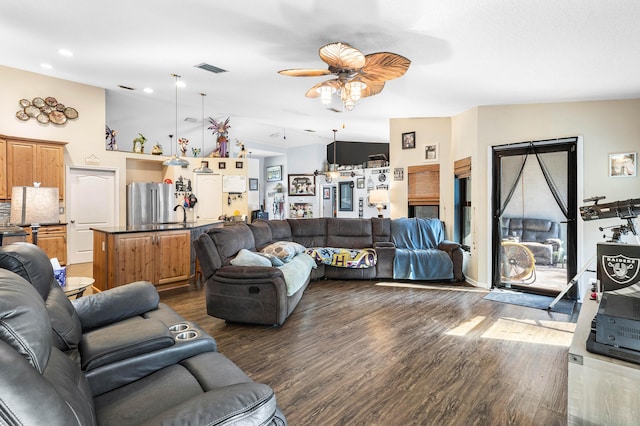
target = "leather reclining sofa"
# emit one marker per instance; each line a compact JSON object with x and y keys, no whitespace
{"x":119,"y":357}
{"x":258,"y":294}
{"x":541,"y":236}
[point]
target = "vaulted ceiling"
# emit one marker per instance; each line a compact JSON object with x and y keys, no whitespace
{"x":464,"y":53}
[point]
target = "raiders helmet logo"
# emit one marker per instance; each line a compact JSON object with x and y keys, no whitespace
{"x":619,"y":268}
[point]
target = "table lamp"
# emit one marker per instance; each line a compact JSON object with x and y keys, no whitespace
{"x":379,"y":197}
{"x":33,"y":206}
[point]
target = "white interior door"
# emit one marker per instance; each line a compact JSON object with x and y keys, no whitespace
{"x":208,"y":189}
{"x":92,"y":201}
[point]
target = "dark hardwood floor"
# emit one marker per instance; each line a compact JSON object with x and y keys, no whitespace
{"x":357,"y":353}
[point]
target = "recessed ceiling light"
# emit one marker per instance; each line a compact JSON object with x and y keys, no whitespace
{"x":46,"y":66}
{"x":65,"y":52}
{"x":148,"y":90}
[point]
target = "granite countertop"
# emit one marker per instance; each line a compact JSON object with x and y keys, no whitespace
{"x":174,"y":226}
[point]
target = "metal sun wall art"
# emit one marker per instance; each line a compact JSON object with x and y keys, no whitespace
{"x":45,"y":111}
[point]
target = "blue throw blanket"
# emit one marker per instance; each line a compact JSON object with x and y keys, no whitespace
{"x":417,"y":254}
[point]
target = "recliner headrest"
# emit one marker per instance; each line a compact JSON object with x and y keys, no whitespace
{"x":24,"y":321}
{"x":31,"y":263}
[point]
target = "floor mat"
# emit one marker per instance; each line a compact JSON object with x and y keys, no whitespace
{"x":529,"y":300}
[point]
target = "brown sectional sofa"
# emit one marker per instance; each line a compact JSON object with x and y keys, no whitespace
{"x":258,"y":294}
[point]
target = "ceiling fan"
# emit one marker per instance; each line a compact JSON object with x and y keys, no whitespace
{"x":358,"y":75}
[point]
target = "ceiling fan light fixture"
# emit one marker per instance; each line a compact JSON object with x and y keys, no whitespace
{"x":354,"y":89}
{"x":349,"y":104}
{"x":325,"y":93}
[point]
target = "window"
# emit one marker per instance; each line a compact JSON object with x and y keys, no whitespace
{"x":424,"y":191}
{"x":462,"y":200}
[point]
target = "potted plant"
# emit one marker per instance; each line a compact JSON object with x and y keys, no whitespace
{"x":138,"y":143}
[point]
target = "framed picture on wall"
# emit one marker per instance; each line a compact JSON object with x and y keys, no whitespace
{"x":624,"y":164}
{"x":222,"y":165}
{"x":326,"y":193}
{"x":300,"y":210}
{"x":302,"y":185}
{"x":360,"y":183}
{"x":345,"y":191}
{"x":409,"y":140}
{"x":431,"y":152}
{"x":253,"y":184}
{"x":274,"y":173}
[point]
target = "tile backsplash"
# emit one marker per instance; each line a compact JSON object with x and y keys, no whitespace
{"x":5,"y":213}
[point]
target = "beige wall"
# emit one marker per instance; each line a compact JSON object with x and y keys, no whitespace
{"x":604,"y":127}
{"x":429,"y":131}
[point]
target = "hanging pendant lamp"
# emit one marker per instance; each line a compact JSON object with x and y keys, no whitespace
{"x":204,"y":165}
{"x":175,"y":160}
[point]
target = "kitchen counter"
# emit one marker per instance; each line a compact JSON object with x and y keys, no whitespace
{"x":174,"y":226}
{"x":162,"y":254}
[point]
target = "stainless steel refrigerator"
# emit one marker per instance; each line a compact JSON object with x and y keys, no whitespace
{"x":149,"y":203}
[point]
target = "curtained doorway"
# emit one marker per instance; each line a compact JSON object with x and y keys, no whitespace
{"x":534,"y":205}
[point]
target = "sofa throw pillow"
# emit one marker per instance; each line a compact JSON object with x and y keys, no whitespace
{"x":284,"y":250}
{"x":275,"y":261}
{"x":248,"y":258}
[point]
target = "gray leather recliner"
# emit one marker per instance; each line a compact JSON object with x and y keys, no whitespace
{"x":40,"y":384}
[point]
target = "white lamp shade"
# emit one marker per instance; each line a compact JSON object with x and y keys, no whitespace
{"x":34,"y":205}
{"x":379,"y":196}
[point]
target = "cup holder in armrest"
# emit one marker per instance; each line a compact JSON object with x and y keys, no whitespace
{"x":179,"y":327}
{"x":187,"y":335}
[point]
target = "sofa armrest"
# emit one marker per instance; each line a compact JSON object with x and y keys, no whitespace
{"x":249,"y":272}
{"x":455,"y":252}
{"x":117,"y":304}
{"x":448,"y":246}
{"x":241,"y":403}
{"x":121,"y":341}
{"x":386,"y":253}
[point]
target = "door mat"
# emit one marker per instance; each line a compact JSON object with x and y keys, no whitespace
{"x":537,"y":301}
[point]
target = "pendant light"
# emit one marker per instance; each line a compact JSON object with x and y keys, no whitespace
{"x":175,"y":160}
{"x":204,"y":165}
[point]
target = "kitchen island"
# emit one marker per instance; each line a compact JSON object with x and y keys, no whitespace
{"x":160,"y":253}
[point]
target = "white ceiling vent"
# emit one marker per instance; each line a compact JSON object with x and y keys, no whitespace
{"x":210,"y":68}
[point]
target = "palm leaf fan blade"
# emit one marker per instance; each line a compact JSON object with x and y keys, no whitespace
{"x":383,"y":66}
{"x":373,"y":87}
{"x":341,"y":56}
{"x":305,"y":72}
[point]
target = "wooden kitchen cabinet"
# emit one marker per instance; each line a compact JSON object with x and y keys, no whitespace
{"x":52,"y":239}
{"x":29,"y":160}
{"x":160,"y":257}
{"x":3,"y":169}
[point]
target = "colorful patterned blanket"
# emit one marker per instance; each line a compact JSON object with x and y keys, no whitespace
{"x":344,"y":258}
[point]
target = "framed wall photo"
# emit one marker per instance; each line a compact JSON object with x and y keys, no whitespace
{"x":326,"y":193}
{"x":253,"y":184}
{"x":300,"y":210}
{"x":345,"y":190}
{"x":302,"y":185}
{"x":360,"y":183}
{"x":222,"y":165}
{"x":409,"y":140}
{"x":398,"y":173}
{"x":624,"y":164}
{"x":274,"y":173}
{"x":431,"y":152}
{"x":239,"y":164}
